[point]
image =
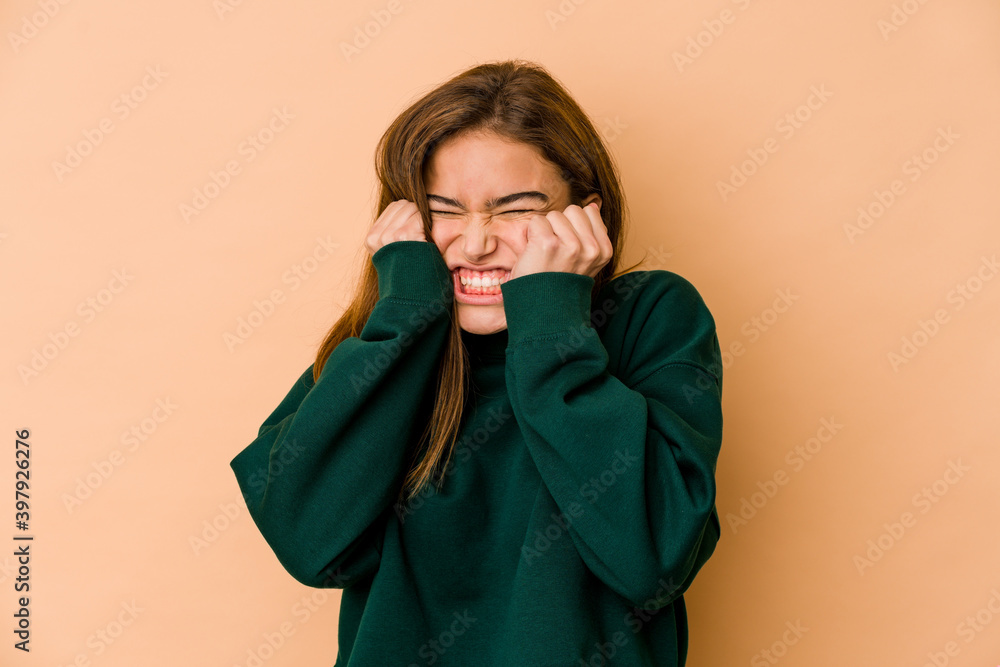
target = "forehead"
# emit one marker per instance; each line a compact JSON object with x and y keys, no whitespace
{"x":474,"y":167}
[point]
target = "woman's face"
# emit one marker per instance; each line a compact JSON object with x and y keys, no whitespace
{"x":482,"y":190}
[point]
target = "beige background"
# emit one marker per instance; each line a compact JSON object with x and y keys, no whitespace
{"x":884,"y":78}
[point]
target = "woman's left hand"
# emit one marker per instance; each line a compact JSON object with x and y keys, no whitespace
{"x":571,"y":241}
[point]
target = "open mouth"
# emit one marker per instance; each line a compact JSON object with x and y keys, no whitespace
{"x":481,"y":282}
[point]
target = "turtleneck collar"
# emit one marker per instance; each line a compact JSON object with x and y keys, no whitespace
{"x":486,"y":346}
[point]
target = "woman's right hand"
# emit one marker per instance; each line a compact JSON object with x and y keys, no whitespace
{"x":400,"y":221}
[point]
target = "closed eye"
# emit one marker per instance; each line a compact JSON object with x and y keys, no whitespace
{"x":501,"y":213}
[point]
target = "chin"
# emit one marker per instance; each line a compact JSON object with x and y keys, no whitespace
{"x":478,"y":324}
{"x":483,"y":329}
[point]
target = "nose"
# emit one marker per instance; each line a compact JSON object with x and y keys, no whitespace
{"x":478,"y":240}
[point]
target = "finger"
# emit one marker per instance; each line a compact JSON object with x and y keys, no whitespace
{"x":403,"y":221}
{"x":593,"y":213}
{"x":538,"y":227}
{"x":564,"y":225}
{"x":600,"y":229}
{"x":394,"y":224}
{"x":567,"y":235}
{"x":584,"y":227}
{"x":388,"y":214}
{"x":378,"y":230}
{"x":596,"y":248}
{"x":585,"y":216}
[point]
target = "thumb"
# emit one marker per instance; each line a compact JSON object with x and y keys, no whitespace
{"x":536,"y":227}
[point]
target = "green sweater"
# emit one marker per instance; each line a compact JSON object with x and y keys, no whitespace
{"x":580,"y":498}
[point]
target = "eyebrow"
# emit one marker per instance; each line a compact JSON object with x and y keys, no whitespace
{"x":496,"y":202}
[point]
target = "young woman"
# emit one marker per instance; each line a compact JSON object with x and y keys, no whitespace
{"x":504,"y":453}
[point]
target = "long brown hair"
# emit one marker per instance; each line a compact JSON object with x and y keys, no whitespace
{"x":514,"y":99}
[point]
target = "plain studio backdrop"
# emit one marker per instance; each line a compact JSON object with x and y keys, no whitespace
{"x":185,"y":190}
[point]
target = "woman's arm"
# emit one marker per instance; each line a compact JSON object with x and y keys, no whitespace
{"x":331,"y":457}
{"x":629,"y":459}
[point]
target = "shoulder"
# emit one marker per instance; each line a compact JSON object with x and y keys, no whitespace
{"x":656,"y":289}
{"x":654,"y":318}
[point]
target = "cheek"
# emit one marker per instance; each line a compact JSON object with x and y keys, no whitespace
{"x":442,"y":234}
{"x":514,"y":235}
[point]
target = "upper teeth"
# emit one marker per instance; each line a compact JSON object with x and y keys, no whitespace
{"x":483,"y":279}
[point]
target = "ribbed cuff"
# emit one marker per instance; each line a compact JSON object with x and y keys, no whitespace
{"x":413,"y":270}
{"x":546,"y":303}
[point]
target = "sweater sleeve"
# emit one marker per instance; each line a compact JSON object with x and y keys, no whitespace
{"x":629,"y":458}
{"x":331,"y":457}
